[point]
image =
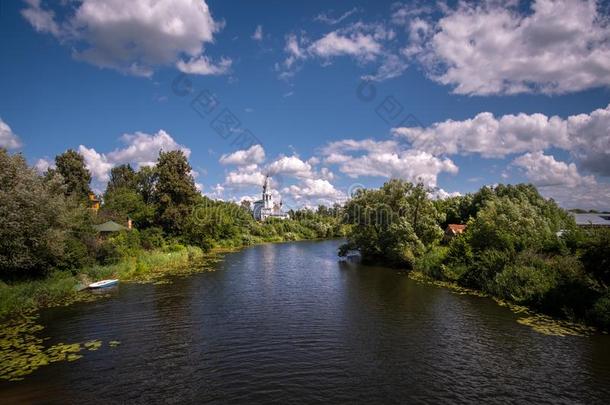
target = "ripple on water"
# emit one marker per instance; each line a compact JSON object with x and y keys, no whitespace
{"x":287,"y":323}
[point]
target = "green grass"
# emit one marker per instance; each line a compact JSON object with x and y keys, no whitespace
{"x":61,"y":288}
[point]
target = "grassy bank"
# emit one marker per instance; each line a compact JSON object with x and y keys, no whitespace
{"x":65,"y":287}
{"x":62,"y":288}
{"x":552,"y":291}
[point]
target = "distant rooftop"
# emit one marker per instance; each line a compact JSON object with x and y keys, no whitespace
{"x":592,"y":219}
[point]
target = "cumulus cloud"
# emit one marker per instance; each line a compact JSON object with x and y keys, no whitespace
{"x":589,"y":136}
{"x":245,"y":176}
{"x":543,"y":171}
{"x":8,"y":139}
{"x":135,"y":36}
{"x":295,"y":177}
{"x":487,"y":48}
{"x":254,"y":155}
{"x":42,"y":165}
{"x":489,"y":136}
{"x":290,"y":165}
{"x":141,"y":150}
{"x":583,"y":196}
{"x":386,"y":159}
{"x":363,"y":42}
{"x":477,"y":48}
{"x":314,"y":190}
{"x":585,"y":136}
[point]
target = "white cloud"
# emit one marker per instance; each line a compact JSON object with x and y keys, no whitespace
{"x":326,"y":19}
{"x":590,"y":139}
{"x":360,"y":41}
{"x":97,"y":163}
{"x":438,"y":193}
{"x":543,"y":171}
{"x":8,"y":139}
{"x":357,"y":44}
{"x":41,"y":20}
{"x":245,"y":176}
{"x":141,"y":150}
{"x":583,"y":196}
{"x":392,"y":66}
{"x":201,"y":65}
{"x":133,"y":37}
{"x":489,"y":136}
{"x":216,"y":193}
{"x":258,"y":33}
{"x":586,"y":136}
{"x":43,"y":165}
{"x":314,"y":189}
{"x":254,"y":155}
{"x":560,"y":46}
{"x":386,"y":159}
{"x":404,"y":13}
{"x":290,"y":165}
{"x":412,"y":165}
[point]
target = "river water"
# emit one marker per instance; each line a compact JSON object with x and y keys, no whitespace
{"x":290,"y":323}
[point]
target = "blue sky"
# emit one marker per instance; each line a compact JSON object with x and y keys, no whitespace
{"x":336,"y":94}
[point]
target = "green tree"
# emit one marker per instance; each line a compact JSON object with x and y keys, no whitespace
{"x":146,"y":179}
{"x":71,"y":165}
{"x":122,"y":176}
{"x":175,"y":192}
{"x":40,"y":228}
{"x":393,"y":224}
{"x":595,"y":256}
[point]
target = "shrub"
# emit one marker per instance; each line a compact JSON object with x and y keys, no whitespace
{"x":524,"y":284}
{"x":152,"y":238}
{"x":601,"y":311}
{"x":487,"y":264}
{"x":431,"y":262}
{"x":174,"y":246}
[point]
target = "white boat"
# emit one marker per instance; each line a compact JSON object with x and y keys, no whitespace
{"x":104,"y":283}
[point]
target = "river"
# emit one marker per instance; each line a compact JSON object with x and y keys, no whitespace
{"x":290,"y":323}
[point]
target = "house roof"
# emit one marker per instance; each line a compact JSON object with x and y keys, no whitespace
{"x":592,"y":219}
{"x":109,"y":226}
{"x":456,"y":228}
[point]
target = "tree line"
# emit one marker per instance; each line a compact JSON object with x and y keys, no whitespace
{"x":47,"y":224}
{"x":517,"y":245}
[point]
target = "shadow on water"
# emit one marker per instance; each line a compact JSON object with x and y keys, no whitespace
{"x":288,"y":322}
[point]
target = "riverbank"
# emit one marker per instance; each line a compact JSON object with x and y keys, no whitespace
{"x":63,"y":288}
{"x":541,"y":323}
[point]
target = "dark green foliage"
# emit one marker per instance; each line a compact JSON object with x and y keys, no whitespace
{"x":152,"y":238}
{"x":601,"y":311}
{"x":596,"y":255}
{"x":122,"y":202}
{"x":517,"y":246}
{"x":76,"y":177}
{"x":40,"y":228}
{"x":122,"y":176}
{"x":175,"y":192}
{"x":392,"y":224}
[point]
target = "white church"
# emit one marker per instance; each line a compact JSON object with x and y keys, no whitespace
{"x":267,"y":208}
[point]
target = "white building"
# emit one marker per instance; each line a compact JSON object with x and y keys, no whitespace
{"x":267,"y":208}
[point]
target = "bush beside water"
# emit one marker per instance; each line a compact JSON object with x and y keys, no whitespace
{"x":517,"y":246}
